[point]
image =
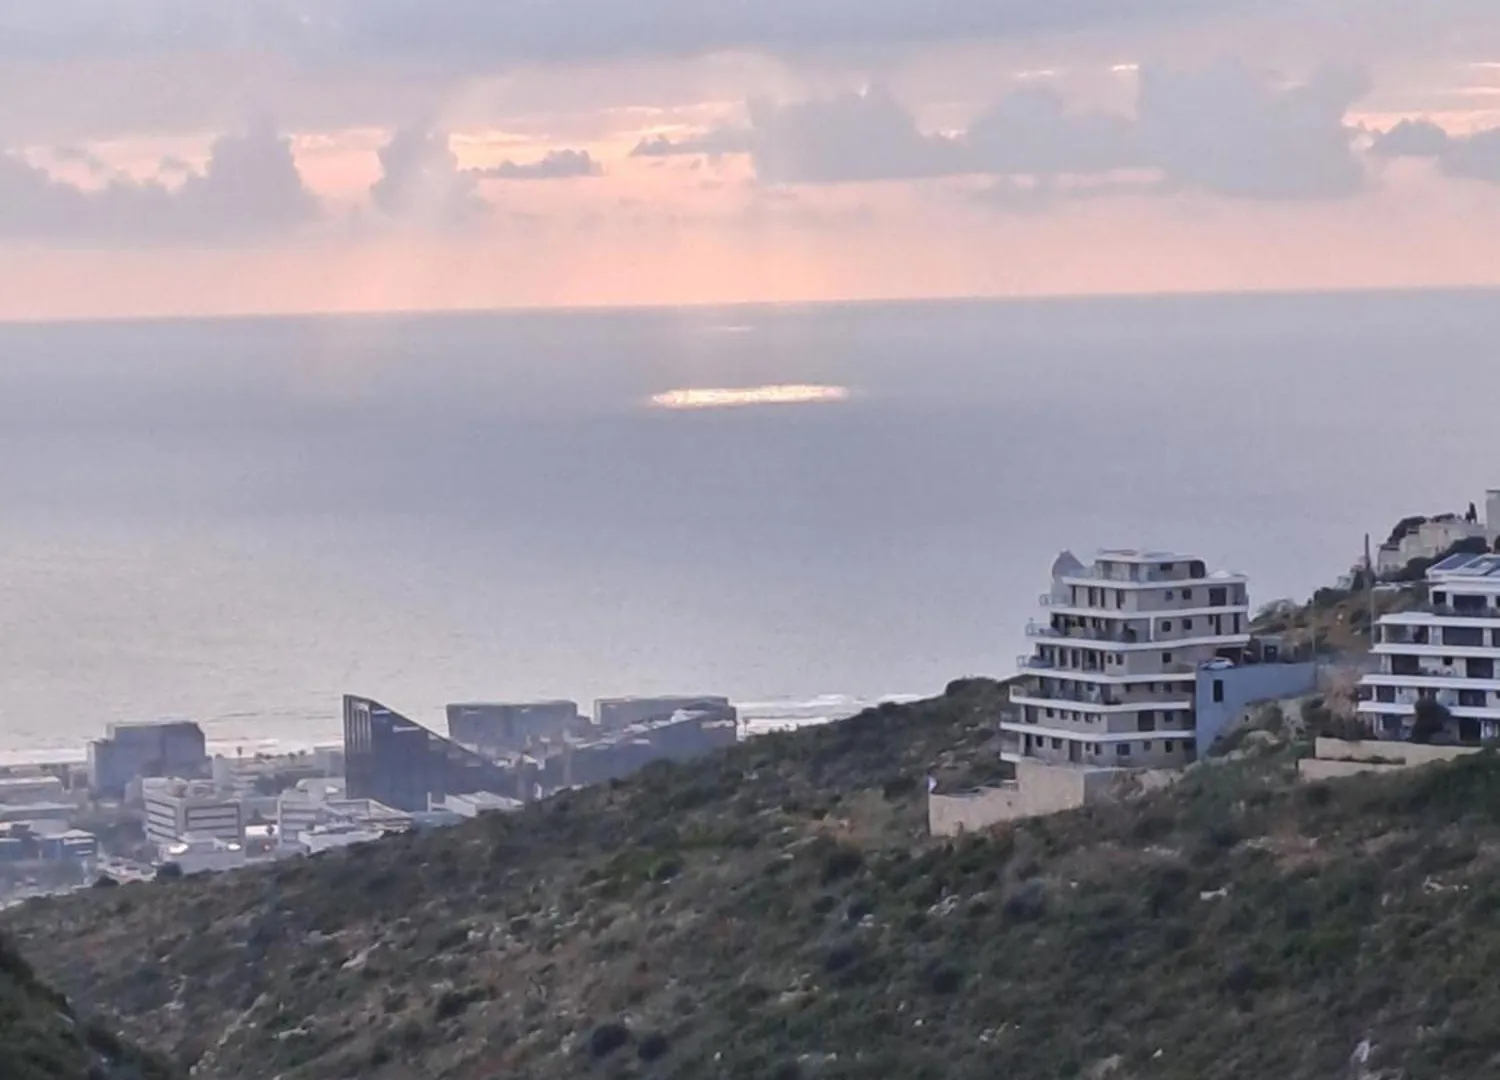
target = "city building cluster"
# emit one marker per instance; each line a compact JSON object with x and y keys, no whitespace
{"x":151,"y":799}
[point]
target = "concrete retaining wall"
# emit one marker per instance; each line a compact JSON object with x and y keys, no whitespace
{"x":1342,"y":757}
{"x":1037,"y":790}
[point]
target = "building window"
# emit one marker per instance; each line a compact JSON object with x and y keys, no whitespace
{"x":1187,"y":624}
{"x":1050,"y":714}
{"x":1167,"y":567}
{"x":1057,"y":744}
{"x":1166,"y":658}
{"x":1168,"y":747}
{"x":1122,"y":749}
{"x":1166,"y":625}
{"x":1218,"y":691}
{"x":1170,"y":594}
{"x":1187,"y":594}
{"x":1146,"y":747}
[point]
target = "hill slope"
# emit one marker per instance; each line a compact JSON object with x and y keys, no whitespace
{"x":41,"y":1039}
{"x":777,"y":912}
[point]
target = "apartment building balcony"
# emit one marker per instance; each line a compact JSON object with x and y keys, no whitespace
{"x":1083,"y":694}
{"x":1084,"y":633}
{"x":1476,"y":611}
{"x":1027,"y":661}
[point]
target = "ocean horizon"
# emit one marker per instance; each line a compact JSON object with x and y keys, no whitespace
{"x":239,"y":520}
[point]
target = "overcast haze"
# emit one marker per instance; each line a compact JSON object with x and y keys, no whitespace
{"x":172,"y":157}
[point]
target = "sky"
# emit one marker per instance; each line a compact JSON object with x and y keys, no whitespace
{"x":171,"y":157}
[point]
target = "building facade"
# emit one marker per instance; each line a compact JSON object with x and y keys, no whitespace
{"x":1447,"y":652}
{"x":400,"y":763}
{"x":500,"y":727}
{"x":176,"y":809}
{"x":613,"y":714}
{"x":1113,"y":678}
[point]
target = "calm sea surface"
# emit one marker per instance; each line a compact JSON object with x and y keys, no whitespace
{"x":237,"y":521}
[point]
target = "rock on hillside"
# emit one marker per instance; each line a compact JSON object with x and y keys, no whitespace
{"x":41,"y":1038}
{"x":777,"y":911}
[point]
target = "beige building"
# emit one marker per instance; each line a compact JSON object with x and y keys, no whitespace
{"x":1112,"y":681}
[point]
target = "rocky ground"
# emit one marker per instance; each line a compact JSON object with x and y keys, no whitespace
{"x":778,"y":911}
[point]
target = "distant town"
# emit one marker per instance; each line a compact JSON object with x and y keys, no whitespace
{"x":151,"y":800}
{"x":1141,"y":662}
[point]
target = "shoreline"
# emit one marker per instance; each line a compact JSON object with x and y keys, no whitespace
{"x":761,"y":717}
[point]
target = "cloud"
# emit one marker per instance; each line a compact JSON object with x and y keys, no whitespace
{"x":848,"y":138}
{"x":1222,"y":129}
{"x":420,"y":181}
{"x":1219,"y":129}
{"x":469,"y":35}
{"x":249,"y":190}
{"x":1468,"y":157}
{"x":1032,"y":132}
{"x":713,"y":143}
{"x":1411,"y":138}
{"x":557,"y":165}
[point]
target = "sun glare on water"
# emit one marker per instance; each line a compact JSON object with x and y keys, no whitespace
{"x":727,"y":397}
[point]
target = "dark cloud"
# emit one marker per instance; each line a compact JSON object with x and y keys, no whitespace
{"x":557,"y":165}
{"x":480,"y":34}
{"x":848,"y":138}
{"x":420,"y":181}
{"x":249,"y":190}
{"x":1224,"y":130}
{"x":1219,"y":129}
{"x":1468,"y":157}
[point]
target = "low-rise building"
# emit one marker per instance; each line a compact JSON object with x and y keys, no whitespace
{"x":31,"y":787}
{"x":1446,"y":652}
{"x":176,"y":808}
{"x":204,"y":854}
{"x":1430,"y":538}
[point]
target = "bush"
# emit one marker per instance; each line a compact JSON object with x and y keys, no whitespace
{"x":653,"y":1047}
{"x":607,"y":1038}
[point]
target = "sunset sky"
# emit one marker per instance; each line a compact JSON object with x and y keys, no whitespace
{"x":175,"y":157}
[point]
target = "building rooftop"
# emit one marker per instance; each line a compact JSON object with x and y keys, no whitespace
{"x":1468,"y":566}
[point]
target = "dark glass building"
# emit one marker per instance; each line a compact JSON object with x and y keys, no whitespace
{"x":402,"y":764}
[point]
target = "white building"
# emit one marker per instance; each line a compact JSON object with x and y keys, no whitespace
{"x":1113,"y":680}
{"x":177,"y":808}
{"x":1449,"y":651}
{"x":204,"y":854}
{"x":1433,"y":537}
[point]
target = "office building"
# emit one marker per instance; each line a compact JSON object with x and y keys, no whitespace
{"x":178,"y":808}
{"x":1447,"y":652}
{"x":402,"y":764}
{"x":506,"y":727}
{"x":613,"y":714}
{"x":130,"y":751}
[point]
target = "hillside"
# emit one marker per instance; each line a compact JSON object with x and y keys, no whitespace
{"x":41,"y":1039}
{"x":777,"y":912}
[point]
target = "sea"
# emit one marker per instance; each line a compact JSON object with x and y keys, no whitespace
{"x":238,"y":521}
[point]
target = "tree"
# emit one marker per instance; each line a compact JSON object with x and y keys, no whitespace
{"x":1432,"y":719}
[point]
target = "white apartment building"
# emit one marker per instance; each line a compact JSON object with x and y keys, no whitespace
{"x":1448,"y":651}
{"x":179,"y":808}
{"x":1113,"y":678}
